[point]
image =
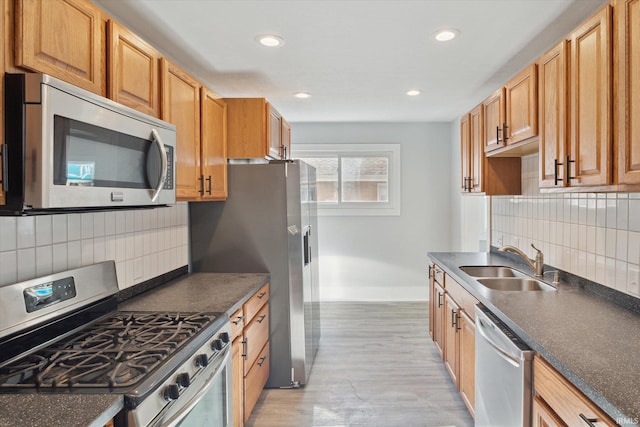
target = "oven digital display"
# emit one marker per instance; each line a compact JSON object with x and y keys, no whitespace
{"x":47,"y":294}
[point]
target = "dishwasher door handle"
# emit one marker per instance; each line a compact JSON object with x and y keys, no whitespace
{"x":503,"y":353}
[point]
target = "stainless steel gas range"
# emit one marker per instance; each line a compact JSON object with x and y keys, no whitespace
{"x":63,"y":334}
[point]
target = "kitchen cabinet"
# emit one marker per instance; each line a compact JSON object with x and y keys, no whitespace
{"x":132,"y":70}
{"x":451,"y":338}
{"x":481,"y":174}
{"x":181,"y":106}
{"x":521,"y":106}
{"x":558,"y":402}
{"x":467,"y":374}
{"x":213,"y":155}
{"x":286,"y":139}
{"x":627,"y":107}
{"x":431,"y":298}
{"x":590,"y":94}
{"x":254,"y":129}
{"x":2,"y":69}
{"x":552,"y":86}
{"x":494,"y":120}
{"x":453,"y":331}
{"x":250,"y":352}
{"x":62,"y":38}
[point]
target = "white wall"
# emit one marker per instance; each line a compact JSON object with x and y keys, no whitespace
{"x":385,"y":258}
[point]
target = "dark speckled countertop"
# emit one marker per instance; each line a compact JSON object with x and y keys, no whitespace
{"x":213,"y":292}
{"x":591,"y":340}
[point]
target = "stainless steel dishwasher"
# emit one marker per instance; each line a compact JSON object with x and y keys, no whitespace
{"x":503,"y":374}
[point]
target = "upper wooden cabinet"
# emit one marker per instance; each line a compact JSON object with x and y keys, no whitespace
{"x":214,"y":146}
{"x":590,"y":95}
{"x":254,"y":129}
{"x":627,"y":24}
{"x":181,"y":106}
{"x":62,"y":38}
{"x":552,"y":87}
{"x":133,"y":70}
{"x":521,"y":106}
{"x":494,"y":120}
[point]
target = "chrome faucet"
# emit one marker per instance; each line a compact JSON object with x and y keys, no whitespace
{"x":537,"y":266}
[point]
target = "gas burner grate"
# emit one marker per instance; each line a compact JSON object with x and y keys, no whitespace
{"x":117,"y":351}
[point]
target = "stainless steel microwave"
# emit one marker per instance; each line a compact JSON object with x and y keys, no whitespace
{"x":70,"y":149}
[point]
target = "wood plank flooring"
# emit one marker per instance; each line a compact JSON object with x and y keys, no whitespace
{"x":376,"y":367}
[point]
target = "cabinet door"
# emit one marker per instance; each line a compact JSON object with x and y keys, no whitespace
{"x":543,"y":416}
{"x":438,"y":319}
{"x":181,"y":106}
{"x":467,"y":332}
{"x":274,"y":133}
{"x":590,"y":92}
{"x":476,"y":165}
{"x":133,"y":71}
{"x":465,"y":152}
{"x":628,"y":89}
{"x":432,"y":299}
{"x":238,"y":383}
{"x":255,"y":380}
{"x":286,"y":139}
{"x":451,"y":340}
{"x":214,"y":146}
{"x":521,"y":102}
{"x":552,"y":87}
{"x":494,"y":121}
{"x":63,"y":38}
{"x":246,"y":128}
{"x":256,"y":334}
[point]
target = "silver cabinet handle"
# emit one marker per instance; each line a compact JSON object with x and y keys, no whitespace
{"x":261,"y":361}
{"x":237,"y":320}
{"x":589,"y":421}
{"x":245,"y":348}
{"x":261,"y":319}
{"x":163,"y":156}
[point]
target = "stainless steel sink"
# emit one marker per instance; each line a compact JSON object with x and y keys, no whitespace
{"x":490,"y":271}
{"x":514,"y":284}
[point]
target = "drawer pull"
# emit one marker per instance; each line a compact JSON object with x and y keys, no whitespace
{"x":245,"y":348}
{"x":261,"y":361}
{"x":238,"y":320}
{"x":262,"y":294}
{"x":439,"y":300}
{"x":261,"y":319}
{"x":589,"y":421}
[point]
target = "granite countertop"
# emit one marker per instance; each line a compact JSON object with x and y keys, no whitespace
{"x":212,"y":292}
{"x":590,"y":339}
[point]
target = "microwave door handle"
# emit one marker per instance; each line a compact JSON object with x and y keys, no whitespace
{"x":163,"y":155}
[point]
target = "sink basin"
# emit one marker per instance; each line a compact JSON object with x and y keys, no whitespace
{"x":514,"y":284}
{"x":490,"y":271}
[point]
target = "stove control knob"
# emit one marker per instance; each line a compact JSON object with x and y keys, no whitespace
{"x":224,"y":337}
{"x":202,"y":360}
{"x":171,"y":392}
{"x":216,"y":345}
{"x":183,"y":379}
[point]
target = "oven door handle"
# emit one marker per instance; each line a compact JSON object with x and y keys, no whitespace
{"x":184,"y":411}
{"x":163,"y":156}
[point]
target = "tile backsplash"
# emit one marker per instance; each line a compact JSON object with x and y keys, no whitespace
{"x":592,"y":235}
{"x":144,"y":243}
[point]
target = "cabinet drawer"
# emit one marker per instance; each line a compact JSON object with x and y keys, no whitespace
{"x":256,"y":334}
{"x":462,"y":297}
{"x":256,"y":302}
{"x":237,"y":323}
{"x":255,"y":380}
{"x":438,"y":275}
{"x":564,"y":398}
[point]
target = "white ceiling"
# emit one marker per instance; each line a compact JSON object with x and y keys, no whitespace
{"x":357,"y":57}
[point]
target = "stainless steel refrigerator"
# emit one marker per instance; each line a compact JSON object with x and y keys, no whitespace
{"x":269,"y":224}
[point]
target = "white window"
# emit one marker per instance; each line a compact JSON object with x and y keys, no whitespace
{"x":354,"y":179}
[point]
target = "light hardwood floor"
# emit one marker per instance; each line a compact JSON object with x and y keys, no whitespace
{"x":376,"y":367}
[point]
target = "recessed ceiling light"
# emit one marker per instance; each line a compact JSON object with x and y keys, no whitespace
{"x":302,"y":95}
{"x":446,"y":34}
{"x":270,"y":40}
{"x":413,"y":92}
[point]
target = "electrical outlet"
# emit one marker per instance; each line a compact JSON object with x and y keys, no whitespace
{"x":499,"y":240}
{"x":634,"y":281}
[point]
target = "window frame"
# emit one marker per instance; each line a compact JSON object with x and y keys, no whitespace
{"x":390,"y":151}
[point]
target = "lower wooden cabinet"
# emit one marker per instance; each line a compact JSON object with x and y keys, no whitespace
{"x":452,"y":327}
{"x":557,"y":402}
{"x":250,"y":354}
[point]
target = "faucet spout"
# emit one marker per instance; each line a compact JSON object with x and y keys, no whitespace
{"x":537,"y":266}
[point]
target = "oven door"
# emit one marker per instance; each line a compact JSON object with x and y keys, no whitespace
{"x":86,"y":151}
{"x":206,"y":402}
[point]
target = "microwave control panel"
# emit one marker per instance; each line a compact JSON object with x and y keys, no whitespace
{"x":168,"y":181}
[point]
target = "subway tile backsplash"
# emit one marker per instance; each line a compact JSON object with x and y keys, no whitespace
{"x":592,"y":235}
{"x":144,"y":243}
